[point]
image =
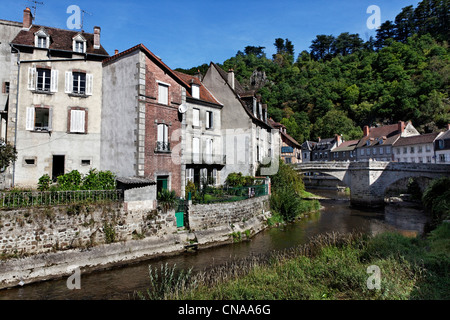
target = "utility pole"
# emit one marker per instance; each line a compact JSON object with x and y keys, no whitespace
{"x":82,"y":18}
{"x":36,"y":3}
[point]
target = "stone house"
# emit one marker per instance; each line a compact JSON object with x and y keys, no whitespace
{"x":307,"y":149}
{"x":323,"y":148}
{"x":291,"y":152}
{"x":345,"y":152}
{"x":249,"y":140}
{"x":56,"y":120}
{"x":202,"y":141}
{"x":378,"y":142}
{"x":141,"y":122}
{"x":442,"y":147}
{"x":416,"y":149}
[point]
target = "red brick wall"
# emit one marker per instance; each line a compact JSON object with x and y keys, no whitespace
{"x":161,"y":163}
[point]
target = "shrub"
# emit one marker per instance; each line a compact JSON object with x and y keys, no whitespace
{"x":8,"y":155}
{"x":70,"y":181}
{"x":99,"y":180}
{"x":436,"y":199}
{"x":167,"y":199}
{"x":44,"y":183}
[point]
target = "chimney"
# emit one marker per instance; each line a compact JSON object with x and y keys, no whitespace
{"x":198,"y":75}
{"x":97,"y":31}
{"x":231,"y":78}
{"x":27,"y":18}
{"x":401,"y":127}
{"x":338,"y":140}
{"x":366,"y":131}
{"x":116,"y":52}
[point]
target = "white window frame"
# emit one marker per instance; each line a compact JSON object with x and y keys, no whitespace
{"x":163,"y":137}
{"x":196,"y":117}
{"x":89,"y":85}
{"x":209,"y":120}
{"x":195,"y":91}
{"x":30,"y":124}
{"x":163,"y":93}
{"x":33,"y":74}
{"x":196,"y":149}
{"x":77,"y":121}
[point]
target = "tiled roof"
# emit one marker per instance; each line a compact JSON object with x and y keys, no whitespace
{"x":205,"y":94}
{"x":291,"y":139}
{"x":422,"y":139}
{"x":389,"y":134}
{"x":60,"y":39}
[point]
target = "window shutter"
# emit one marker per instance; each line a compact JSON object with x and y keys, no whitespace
{"x":196,"y":149}
{"x":50,"y":119}
{"x":30,"y":119}
{"x":190,"y":175}
{"x":208,"y":120}
{"x":77,"y":121}
{"x":160,"y":133}
{"x":54,"y":81}
{"x":32,"y":78}
{"x":69,"y":82}
{"x":163,"y":94}
{"x":196,"y":120}
{"x":89,"y":84}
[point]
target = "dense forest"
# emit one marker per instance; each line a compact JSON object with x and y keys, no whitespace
{"x":344,"y":83}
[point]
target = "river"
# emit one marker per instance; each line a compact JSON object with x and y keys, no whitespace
{"x":336,"y":216}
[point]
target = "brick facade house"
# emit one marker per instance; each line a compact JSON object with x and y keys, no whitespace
{"x":141,"y":123}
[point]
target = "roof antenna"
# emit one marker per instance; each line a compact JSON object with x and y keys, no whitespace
{"x":82,"y":18}
{"x":35,"y":7}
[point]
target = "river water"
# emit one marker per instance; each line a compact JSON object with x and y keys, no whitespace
{"x":336,"y":216}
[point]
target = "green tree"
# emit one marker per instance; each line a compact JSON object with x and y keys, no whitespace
{"x":8,"y":155}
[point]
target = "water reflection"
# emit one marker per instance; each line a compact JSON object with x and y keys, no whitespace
{"x":337,"y":216}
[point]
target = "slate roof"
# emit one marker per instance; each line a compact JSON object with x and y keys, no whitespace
{"x":60,"y":39}
{"x":422,"y":139}
{"x":347,"y":146}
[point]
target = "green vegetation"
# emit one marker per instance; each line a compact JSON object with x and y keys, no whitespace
{"x":288,"y":190}
{"x":436,"y":199}
{"x":8,"y":154}
{"x":167,"y":200}
{"x":343,"y":83}
{"x":330,"y":267}
{"x":74,"y":180}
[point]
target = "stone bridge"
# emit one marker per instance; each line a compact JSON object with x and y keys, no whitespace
{"x":369,"y":180}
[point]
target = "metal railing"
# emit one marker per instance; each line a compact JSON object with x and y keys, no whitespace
{"x":21,"y":199}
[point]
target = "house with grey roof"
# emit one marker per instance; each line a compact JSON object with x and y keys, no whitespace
{"x":442,"y":147}
{"x":377,"y":142}
{"x":416,"y":149}
{"x":345,"y":152}
{"x":323,"y":148}
{"x":249,"y":140}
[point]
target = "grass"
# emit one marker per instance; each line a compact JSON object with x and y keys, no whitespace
{"x":334,"y":267}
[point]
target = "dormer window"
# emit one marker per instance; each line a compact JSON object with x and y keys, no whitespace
{"x":41,"y":39}
{"x":195,"y":91}
{"x":79,"y":44}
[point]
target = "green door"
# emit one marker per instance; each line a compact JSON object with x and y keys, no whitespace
{"x":162,"y":183}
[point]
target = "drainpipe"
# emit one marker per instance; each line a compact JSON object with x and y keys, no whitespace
{"x":17,"y":110}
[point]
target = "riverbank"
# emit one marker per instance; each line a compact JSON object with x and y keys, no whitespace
{"x":335,"y":267}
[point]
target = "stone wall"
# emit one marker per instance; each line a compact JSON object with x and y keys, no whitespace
{"x":41,"y":230}
{"x":215,"y":223}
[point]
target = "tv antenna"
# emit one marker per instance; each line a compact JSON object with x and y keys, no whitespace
{"x":82,"y":18}
{"x":36,"y":3}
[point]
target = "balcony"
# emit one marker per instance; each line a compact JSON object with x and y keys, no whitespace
{"x":205,"y":159}
{"x":162,"y":147}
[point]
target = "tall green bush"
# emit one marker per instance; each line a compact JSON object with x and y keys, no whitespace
{"x":436,"y":199}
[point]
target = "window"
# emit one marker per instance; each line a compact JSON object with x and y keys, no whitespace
{"x":163,"y":94}
{"x":189,"y":175}
{"x":420,"y":149}
{"x":78,"y":121}
{"x":362,"y":152}
{"x":42,"y":42}
{"x":196,"y":119}
{"x":388,"y":150}
{"x":381,"y":150}
{"x":209,"y":151}
{"x":79,"y":46}
{"x":442,"y":158}
{"x":43,"y":80}
{"x":209,"y":120}
{"x":41,"y":39}
{"x":441,"y":144}
{"x":413,"y":150}
{"x":85,"y":163}
{"x":420,"y":159}
{"x":196,"y":91}
{"x":5,"y":88}
{"x":163,"y":144}
{"x":196,"y":149}
{"x":79,"y":83}
{"x":39,"y":119}
{"x":29,"y":162}
{"x":429,"y":159}
{"x":288,"y":160}
{"x":428,"y":148}
{"x":405,"y":150}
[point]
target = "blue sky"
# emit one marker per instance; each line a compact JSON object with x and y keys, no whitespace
{"x":186,"y":34}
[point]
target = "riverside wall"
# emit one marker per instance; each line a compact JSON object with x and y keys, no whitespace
{"x":39,"y":244}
